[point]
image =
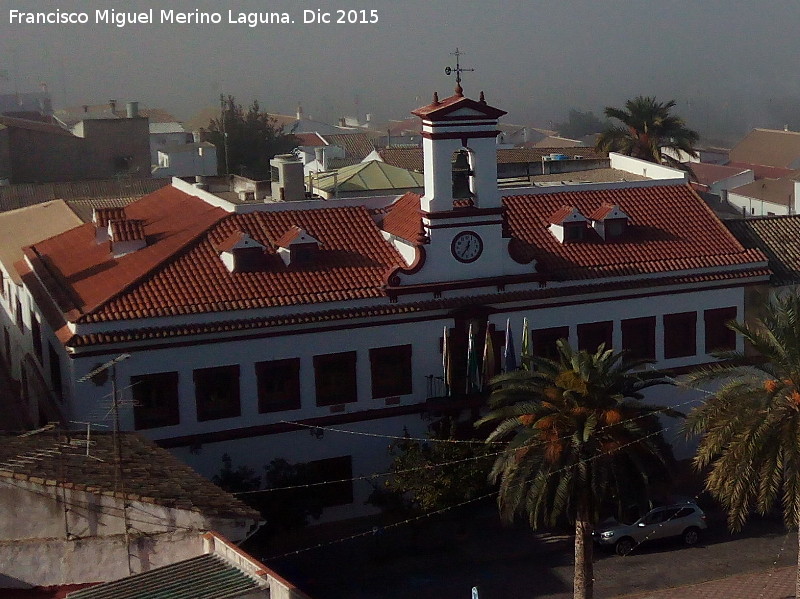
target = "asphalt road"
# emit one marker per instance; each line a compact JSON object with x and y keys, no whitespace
{"x":445,"y":560}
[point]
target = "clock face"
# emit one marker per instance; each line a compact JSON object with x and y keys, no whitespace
{"x":467,"y":246}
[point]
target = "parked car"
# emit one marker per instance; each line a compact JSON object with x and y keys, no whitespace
{"x":684,"y":520}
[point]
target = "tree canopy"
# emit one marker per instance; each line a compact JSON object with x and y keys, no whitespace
{"x":254,"y":137}
{"x":648,"y":131}
{"x":580,"y":124}
{"x":580,"y":443}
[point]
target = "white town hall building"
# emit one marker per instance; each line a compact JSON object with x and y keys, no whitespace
{"x":247,"y":322}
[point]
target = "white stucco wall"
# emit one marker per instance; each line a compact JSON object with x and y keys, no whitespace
{"x":756,"y":207}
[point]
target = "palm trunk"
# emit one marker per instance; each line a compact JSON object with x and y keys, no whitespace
{"x":583,"y":582}
{"x":797,"y":578}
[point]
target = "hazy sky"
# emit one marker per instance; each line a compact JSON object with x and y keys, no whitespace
{"x":535,"y":59}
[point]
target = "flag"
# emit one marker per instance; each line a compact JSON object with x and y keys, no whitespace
{"x":509,"y":355}
{"x":526,"y":344}
{"x":446,"y":360}
{"x":473,"y":384}
{"x":488,"y":367}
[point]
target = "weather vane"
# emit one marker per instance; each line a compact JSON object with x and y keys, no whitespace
{"x":458,"y":70}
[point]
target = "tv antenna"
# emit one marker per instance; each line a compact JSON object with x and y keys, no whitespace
{"x":458,"y":70}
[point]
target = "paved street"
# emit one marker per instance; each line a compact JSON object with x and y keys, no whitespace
{"x":514,"y":564}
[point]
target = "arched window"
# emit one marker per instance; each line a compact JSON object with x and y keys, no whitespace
{"x":463,"y":175}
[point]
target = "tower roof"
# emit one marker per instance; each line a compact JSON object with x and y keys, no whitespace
{"x":459,"y":106}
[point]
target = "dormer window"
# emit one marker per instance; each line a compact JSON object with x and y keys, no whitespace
{"x":126,"y":236}
{"x":296,"y":247}
{"x":568,"y":225}
{"x":241,"y":253}
{"x":609,"y":221}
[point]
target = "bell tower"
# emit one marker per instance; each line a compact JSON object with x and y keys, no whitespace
{"x":460,"y":152}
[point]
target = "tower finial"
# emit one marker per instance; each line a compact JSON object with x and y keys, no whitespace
{"x":435,"y":97}
{"x":459,"y":89}
{"x":483,"y":98}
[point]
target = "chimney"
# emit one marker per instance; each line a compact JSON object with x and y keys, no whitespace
{"x":299,"y":112}
{"x":288,"y":182}
{"x":112,"y":104}
{"x":132,"y":109}
{"x":342,"y":122}
{"x":786,"y":127}
{"x":127,"y":236}
{"x":85,"y":107}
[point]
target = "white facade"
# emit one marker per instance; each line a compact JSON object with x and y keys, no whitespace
{"x":187,"y":160}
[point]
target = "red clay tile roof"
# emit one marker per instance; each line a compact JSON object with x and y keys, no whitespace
{"x":761,"y":171}
{"x":560,"y":215}
{"x":441,"y":110}
{"x":34,"y":126}
{"x":356,"y":146}
{"x":102,"y":216}
{"x":604,"y":210}
{"x":82,"y":275}
{"x":351,"y":264}
{"x":127,"y":230}
{"x":403,"y":219}
{"x":708,"y":174}
{"x":670,"y":228}
{"x":309,"y":139}
{"x":408,"y":158}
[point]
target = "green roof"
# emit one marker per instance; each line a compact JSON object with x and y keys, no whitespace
{"x":369,"y":176}
{"x":203,"y":577}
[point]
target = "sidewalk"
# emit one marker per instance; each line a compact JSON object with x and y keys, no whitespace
{"x":775,"y":583}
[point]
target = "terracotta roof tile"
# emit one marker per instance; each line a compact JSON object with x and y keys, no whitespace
{"x":441,"y":109}
{"x":761,"y":171}
{"x":83,"y":275}
{"x":102,"y":216}
{"x":351,"y":263}
{"x":153,"y":475}
{"x":407,"y":158}
{"x":670,"y":228}
{"x":605,"y":209}
{"x":403,"y":219}
{"x":127,"y":230}
{"x":768,"y":147}
{"x":560,"y":215}
{"x":356,"y":146}
{"x":779,"y":238}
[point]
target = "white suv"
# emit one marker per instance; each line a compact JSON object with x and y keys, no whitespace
{"x":684,"y":520}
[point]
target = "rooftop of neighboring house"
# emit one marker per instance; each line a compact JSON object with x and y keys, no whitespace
{"x":768,"y":147}
{"x":170,"y":127}
{"x":555,"y":141}
{"x":761,"y":171}
{"x":594,"y":175}
{"x":778,"y":237}
{"x":25,"y":226}
{"x":310,"y":139}
{"x":412,"y":159}
{"x":707,"y":174}
{"x":152,"y":474}
{"x":27,"y":194}
{"x":368,"y":176}
{"x":75,"y":114}
{"x":774,"y":191}
{"x":34,"y":125}
{"x":206,"y":576}
{"x":356,"y":146}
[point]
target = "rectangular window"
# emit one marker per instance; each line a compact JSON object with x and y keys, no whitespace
{"x":680,"y":334}
{"x":639,"y":337}
{"x":18,"y":309}
{"x":592,"y":334}
{"x":36,"y":335}
{"x":155,"y":399}
{"x":391,"y":370}
{"x":332,"y":469}
{"x":718,"y":336}
{"x":278,"y":385}
{"x":217,"y":392}
{"x":55,"y":372}
{"x":543,"y":341}
{"x":335,"y":378}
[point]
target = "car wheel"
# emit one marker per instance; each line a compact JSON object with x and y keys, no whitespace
{"x":691,"y":536}
{"x":624,"y":546}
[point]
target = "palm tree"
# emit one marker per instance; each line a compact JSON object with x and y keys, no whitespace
{"x":580,"y":443}
{"x":647,"y":130}
{"x":750,"y":426}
